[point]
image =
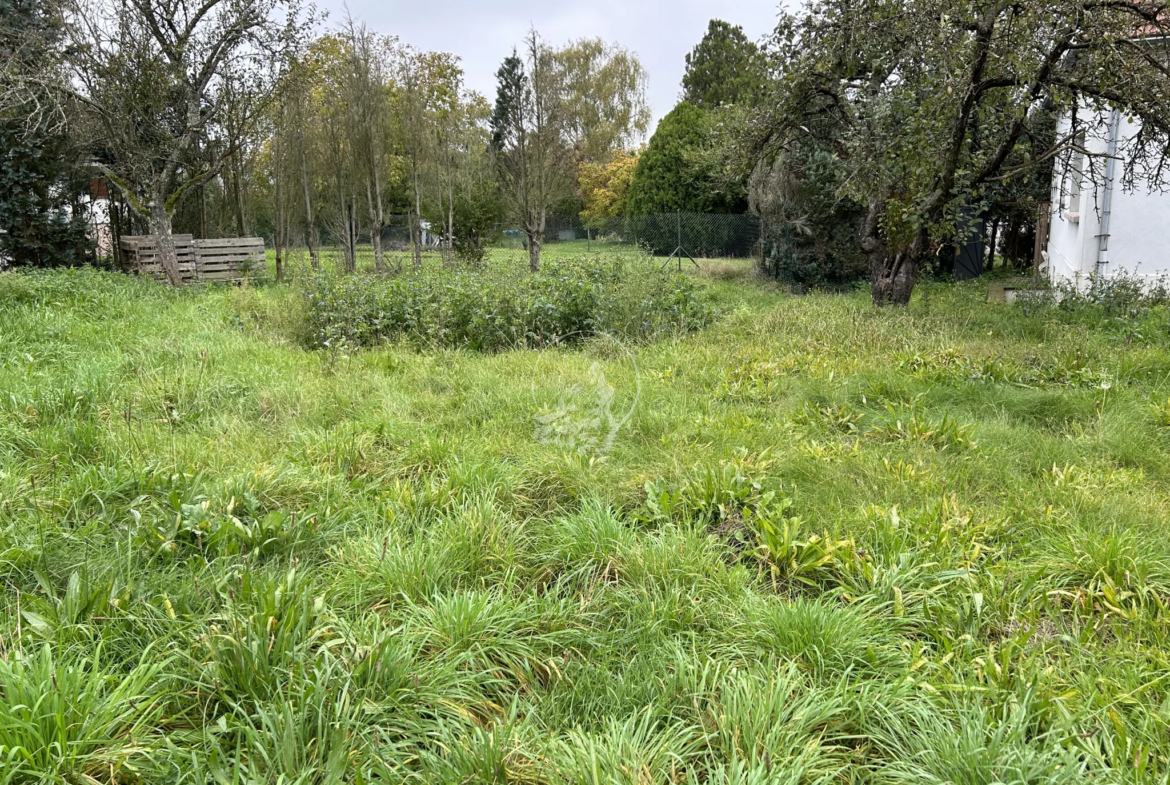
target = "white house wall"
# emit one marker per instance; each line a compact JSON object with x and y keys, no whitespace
{"x":1139,"y":226}
{"x":1139,"y":241}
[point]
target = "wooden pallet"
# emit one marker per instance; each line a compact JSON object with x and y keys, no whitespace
{"x":227,"y":260}
{"x":199,"y":260}
{"x":140,"y":255}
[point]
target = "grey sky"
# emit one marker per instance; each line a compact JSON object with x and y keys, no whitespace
{"x":482,"y":33}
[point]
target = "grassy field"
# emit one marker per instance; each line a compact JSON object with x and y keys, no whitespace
{"x":830,"y":545}
{"x":512,"y":253}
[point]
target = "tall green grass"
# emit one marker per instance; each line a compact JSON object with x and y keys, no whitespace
{"x":498,"y":308}
{"x":831,"y":545}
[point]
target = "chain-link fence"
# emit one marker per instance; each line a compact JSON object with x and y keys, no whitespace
{"x":702,"y":236}
{"x":678,"y":236}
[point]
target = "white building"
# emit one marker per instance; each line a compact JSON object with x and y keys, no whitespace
{"x":1098,"y":227}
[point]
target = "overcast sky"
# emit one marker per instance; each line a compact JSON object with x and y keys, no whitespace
{"x":483,"y":32}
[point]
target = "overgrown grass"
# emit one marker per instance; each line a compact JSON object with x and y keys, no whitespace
{"x":831,"y":545}
{"x":500,"y":308}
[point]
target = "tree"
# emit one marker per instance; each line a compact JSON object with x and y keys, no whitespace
{"x":673,"y":174}
{"x":555,"y":109}
{"x":809,"y":229}
{"x":937,"y":103}
{"x":162,"y":78}
{"x":604,"y":97}
{"x":428,"y":92}
{"x":529,"y":140}
{"x":605,"y":187}
{"x":293,"y":141}
{"x":40,"y":181}
{"x":367,"y":100}
{"x":724,"y":68}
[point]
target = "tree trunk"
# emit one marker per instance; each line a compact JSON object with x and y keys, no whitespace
{"x":378,"y":220}
{"x":160,"y":227}
{"x":416,"y":225}
{"x":278,"y":238}
{"x":115,"y":231}
{"x":893,"y":272}
{"x":994,"y":240}
{"x":892,"y":277}
{"x":450,"y":219}
{"x":241,"y":224}
{"x":449,"y":229}
{"x":351,"y":230}
{"x":535,"y":238}
{"x":310,"y":224}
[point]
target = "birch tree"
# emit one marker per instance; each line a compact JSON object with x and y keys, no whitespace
{"x":555,"y":109}
{"x":529,"y":139}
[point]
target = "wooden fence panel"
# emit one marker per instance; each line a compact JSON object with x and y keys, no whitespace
{"x":199,"y":260}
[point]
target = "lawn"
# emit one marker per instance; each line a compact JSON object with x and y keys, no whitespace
{"x":830,"y":544}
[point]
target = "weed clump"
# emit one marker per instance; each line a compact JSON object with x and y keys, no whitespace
{"x":493,"y":310}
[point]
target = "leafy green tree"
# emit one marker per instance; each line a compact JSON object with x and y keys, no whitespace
{"x":165,"y":81}
{"x":529,"y":140}
{"x":675,"y":175}
{"x":555,"y":108}
{"x":810,"y":229}
{"x":724,"y":68}
{"x":39,"y":179}
{"x":936,"y":104}
{"x":605,"y":187}
{"x":604,"y":98}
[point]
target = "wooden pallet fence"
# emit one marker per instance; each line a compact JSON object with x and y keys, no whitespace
{"x":199,"y":260}
{"x":140,"y":255}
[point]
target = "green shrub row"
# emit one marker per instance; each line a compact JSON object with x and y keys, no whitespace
{"x":494,"y":309}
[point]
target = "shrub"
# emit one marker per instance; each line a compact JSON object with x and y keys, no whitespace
{"x":494,"y":310}
{"x":1121,"y":299}
{"x":811,"y":233}
{"x":671,"y":175}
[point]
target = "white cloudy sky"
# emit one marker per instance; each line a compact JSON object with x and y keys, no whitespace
{"x":483,"y":32}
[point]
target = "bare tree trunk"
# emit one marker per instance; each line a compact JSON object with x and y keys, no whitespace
{"x":534,"y":241}
{"x":443,"y":228}
{"x":241,"y":225}
{"x":351,"y":239}
{"x":278,"y":238}
{"x":310,"y":223}
{"x":535,"y":231}
{"x":116,"y":231}
{"x":377,"y":219}
{"x":416,"y":223}
{"x":450,"y":215}
{"x":278,"y":233}
{"x":994,"y":240}
{"x":160,"y":227}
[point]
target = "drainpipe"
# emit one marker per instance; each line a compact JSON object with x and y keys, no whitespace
{"x":1107,"y":199}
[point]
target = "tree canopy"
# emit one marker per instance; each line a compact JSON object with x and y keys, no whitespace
{"x":38,"y":176}
{"x":164,"y":80}
{"x":936,"y":104}
{"x":674,"y":175}
{"x":556,"y":109}
{"x":605,"y":187}
{"x":724,"y":68}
